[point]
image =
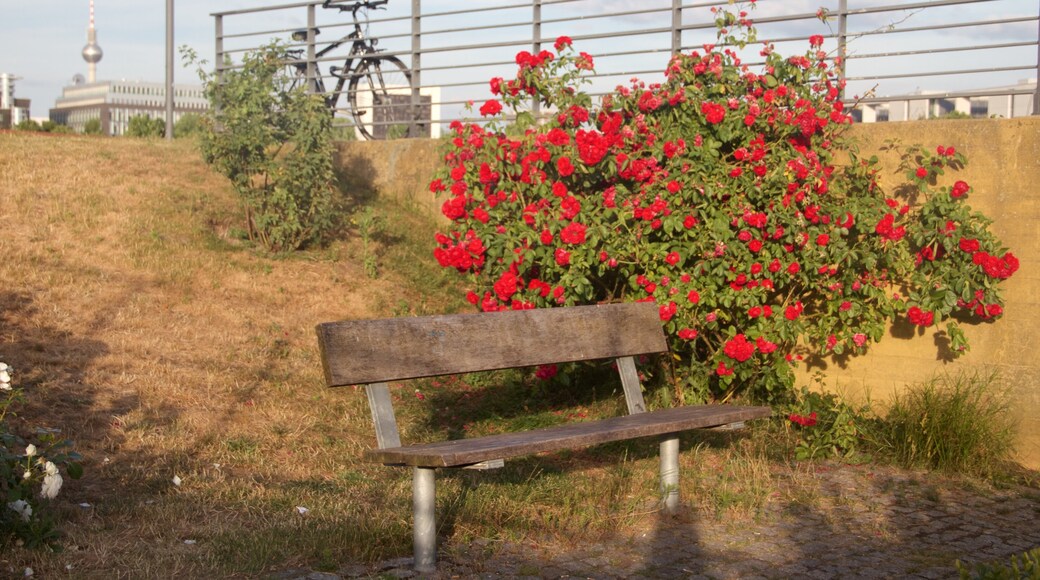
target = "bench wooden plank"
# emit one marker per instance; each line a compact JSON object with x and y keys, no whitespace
{"x":369,"y":351}
{"x":572,"y":435}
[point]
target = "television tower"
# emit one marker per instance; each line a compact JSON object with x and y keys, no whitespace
{"x":92,"y":52}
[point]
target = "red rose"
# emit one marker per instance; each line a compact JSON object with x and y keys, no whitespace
{"x":672,"y":258}
{"x":574,"y":233}
{"x":562,"y":42}
{"x":713,"y":112}
{"x":564,"y":166}
{"x":921,"y":172}
{"x":563,"y":257}
{"x":816,"y":40}
{"x":738,"y":348}
{"x":687,"y":334}
{"x":959,"y":189}
{"x":491,"y":108}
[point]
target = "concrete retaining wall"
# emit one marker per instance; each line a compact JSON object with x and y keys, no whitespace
{"x":1003,"y":169}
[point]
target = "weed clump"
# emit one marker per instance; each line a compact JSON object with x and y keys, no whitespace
{"x":954,"y":423}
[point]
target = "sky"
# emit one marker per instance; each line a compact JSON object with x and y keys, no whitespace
{"x":41,"y":40}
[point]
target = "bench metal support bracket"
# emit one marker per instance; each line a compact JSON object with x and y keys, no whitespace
{"x":382,"y":408}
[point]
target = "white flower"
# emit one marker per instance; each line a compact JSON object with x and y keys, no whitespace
{"x":302,"y":510}
{"x":27,"y":474}
{"x":50,"y":469}
{"x":5,"y":376}
{"x":176,"y":480}
{"x":22,"y":508}
{"x":29,"y":572}
{"x":51,"y":485}
{"x":30,"y":450}
{"x":4,"y":367}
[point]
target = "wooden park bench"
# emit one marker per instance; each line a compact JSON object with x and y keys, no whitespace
{"x":374,"y":352}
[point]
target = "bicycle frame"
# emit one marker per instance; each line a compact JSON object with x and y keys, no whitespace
{"x":360,"y":49}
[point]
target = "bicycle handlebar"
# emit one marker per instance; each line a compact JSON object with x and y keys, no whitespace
{"x":354,"y":6}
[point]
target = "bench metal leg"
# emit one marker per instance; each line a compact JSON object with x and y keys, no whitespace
{"x":670,"y":473}
{"x":424,"y":527}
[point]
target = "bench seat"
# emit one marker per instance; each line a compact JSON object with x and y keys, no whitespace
{"x":462,"y":452}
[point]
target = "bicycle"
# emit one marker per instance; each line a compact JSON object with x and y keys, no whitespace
{"x":376,"y":81}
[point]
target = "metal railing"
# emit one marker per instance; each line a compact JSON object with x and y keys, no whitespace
{"x":933,"y":57}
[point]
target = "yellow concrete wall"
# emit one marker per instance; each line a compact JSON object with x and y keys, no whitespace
{"x":1004,"y":170}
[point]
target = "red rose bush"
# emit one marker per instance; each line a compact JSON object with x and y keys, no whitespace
{"x":728,"y":195}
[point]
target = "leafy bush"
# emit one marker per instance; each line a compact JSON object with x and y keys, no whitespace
{"x":28,"y":125}
{"x":957,"y":423}
{"x":92,"y":127}
{"x":145,"y":126}
{"x":30,"y":474}
{"x":190,"y":125}
{"x":731,"y":198}
{"x":826,"y":426}
{"x":274,"y":144}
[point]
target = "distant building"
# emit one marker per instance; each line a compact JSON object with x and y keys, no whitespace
{"x":12,"y":110}
{"x":114,"y":103}
{"x":1007,"y":101}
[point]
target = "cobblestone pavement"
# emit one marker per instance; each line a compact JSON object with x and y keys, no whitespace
{"x":862,"y":522}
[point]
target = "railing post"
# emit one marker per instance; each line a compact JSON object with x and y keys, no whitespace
{"x":218,"y":57}
{"x":1036,"y":91}
{"x":312,"y":83}
{"x":843,"y":21}
{"x":536,"y":47}
{"x":676,"y":27}
{"x":413,"y":127}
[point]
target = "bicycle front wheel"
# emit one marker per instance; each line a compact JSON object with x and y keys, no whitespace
{"x":381,"y":97}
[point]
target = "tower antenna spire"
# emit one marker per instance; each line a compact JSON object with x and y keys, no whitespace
{"x":92,"y":52}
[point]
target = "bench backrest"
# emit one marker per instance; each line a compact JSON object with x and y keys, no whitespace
{"x":372,"y":351}
{"x":375,"y":352}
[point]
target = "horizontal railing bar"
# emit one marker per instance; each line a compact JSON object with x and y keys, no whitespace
{"x":941,"y":73}
{"x":946,"y":95}
{"x":910,"y":6}
{"x":940,"y":50}
{"x":489,"y":8}
{"x":945,"y":26}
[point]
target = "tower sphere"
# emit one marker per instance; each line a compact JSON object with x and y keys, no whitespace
{"x":92,"y":52}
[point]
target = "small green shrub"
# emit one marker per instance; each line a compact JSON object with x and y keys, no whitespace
{"x":960,"y":423}
{"x":275,"y":145}
{"x":1022,"y":566}
{"x":826,"y":425}
{"x":145,"y":126}
{"x":189,"y":125}
{"x":92,"y":127}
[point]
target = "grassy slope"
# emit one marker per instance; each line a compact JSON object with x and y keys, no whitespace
{"x":164,"y":347}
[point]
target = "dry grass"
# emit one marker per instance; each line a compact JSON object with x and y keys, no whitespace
{"x":164,"y":346}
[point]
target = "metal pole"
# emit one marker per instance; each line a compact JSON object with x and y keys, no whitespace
{"x":536,"y":47}
{"x":413,"y":127}
{"x":843,"y":21}
{"x":169,"y":70}
{"x":424,"y":527}
{"x":1036,"y":91}
{"x":676,"y":27}
{"x":670,"y":473}
{"x":312,"y":83}
{"x":218,"y":57}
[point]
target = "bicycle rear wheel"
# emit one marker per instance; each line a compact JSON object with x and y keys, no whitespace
{"x":380,"y":97}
